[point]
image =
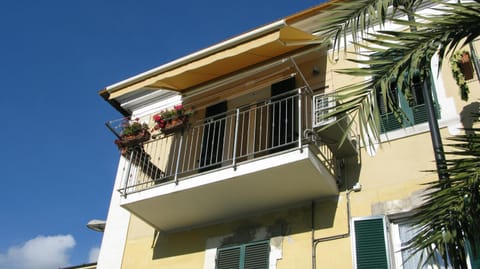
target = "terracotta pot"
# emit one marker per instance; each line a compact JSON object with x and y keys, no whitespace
{"x":465,"y":58}
{"x":174,"y":125}
{"x":126,"y":142}
{"x":466,"y":66}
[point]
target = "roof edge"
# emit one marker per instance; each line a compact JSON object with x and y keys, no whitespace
{"x":106,"y":96}
{"x":308,"y":12}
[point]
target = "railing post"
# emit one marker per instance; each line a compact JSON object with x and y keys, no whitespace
{"x":127,"y":174}
{"x":300,"y":119}
{"x":178,"y":159}
{"x":234,"y":157}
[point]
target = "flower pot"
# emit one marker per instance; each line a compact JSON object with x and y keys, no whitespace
{"x":127,"y":142}
{"x":466,"y":66}
{"x":174,"y":125}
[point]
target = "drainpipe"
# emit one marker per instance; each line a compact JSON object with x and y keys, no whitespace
{"x":473,"y":53}
{"x":433,"y":126}
{"x":356,"y":188}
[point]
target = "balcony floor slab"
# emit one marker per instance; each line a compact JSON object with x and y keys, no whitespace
{"x":267,"y":183}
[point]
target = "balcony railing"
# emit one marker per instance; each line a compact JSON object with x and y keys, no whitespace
{"x":248,"y":133}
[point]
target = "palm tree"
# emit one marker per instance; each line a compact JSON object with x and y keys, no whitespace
{"x":448,"y":219}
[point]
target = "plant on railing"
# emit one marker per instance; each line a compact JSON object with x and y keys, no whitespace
{"x":462,"y":70}
{"x":133,"y":133}
{"x":171,"y":120}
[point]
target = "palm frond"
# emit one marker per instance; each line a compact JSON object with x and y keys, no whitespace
{"x":448,"y":220}
{"x":403,"y":56}
{"x":357,"y":17}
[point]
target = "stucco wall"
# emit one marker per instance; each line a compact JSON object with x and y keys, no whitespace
{"x":391,"y":182}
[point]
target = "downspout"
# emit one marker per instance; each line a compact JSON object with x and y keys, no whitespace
{"x":475,"y":60}
{"x":435,"y":136}
{"x":315,"y":241}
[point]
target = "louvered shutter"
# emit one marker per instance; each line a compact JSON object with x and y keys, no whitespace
{"x":248,"y":256}
{"x":229,"y":258}
{"x":370,"y":244}
{"x":256,"y":255}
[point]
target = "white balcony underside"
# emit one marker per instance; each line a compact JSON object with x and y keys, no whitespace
{"x":262,"y":184}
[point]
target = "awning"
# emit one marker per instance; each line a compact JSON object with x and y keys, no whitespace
{"x":224,"y":62}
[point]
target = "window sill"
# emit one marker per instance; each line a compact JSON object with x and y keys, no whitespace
{"x":416,"y":129}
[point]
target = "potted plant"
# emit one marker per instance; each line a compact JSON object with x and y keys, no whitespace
{"x":462,"y":70}
{"x":171,"y":120}
{"x":133,"y":133}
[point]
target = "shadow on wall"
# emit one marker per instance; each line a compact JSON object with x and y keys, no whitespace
{"x":350,"y":172}
{"x":285,"y":222}
{"x":469,"y":115}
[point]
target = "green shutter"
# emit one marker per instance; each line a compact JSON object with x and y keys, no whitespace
{"x":229,"y":258}
{"x":247,"y":256}
{"x":257,"y":255}
{"x":474,"y":259}
{"x":413,"y":115}
{"x":390,"y":122}
{"x":370,"y":245}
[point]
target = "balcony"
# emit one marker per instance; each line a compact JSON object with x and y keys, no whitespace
{"x":257,"y":157}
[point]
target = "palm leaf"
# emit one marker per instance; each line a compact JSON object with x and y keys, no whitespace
{"x":403,"y":56}
{"x":448,"y":220}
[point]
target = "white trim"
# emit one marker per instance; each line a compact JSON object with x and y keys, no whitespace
{"x":115,"y":235}
{"x":396,"y":246}
{"x":149,"y":110}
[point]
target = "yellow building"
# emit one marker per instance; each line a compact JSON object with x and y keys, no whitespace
{"x":249,"y":178}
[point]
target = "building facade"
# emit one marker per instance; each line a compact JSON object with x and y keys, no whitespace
{"x":230,"y":162}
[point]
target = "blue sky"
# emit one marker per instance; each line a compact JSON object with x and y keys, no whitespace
{"x":58,"y":160}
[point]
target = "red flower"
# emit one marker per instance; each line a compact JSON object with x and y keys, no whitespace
{"x":157,"y":118}
{"x":178,"y":107}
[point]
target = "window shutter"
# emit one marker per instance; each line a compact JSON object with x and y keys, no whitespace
{"x":370,"y":245}
{"x":256,"y":255}
{"x":228,"y":258}
{"x":247,"y":256}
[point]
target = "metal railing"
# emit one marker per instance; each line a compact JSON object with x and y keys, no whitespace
{"x":247,"y":133}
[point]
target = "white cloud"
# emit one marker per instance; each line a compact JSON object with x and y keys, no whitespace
{"x":41,"y":252}
{"x":93,"y":255}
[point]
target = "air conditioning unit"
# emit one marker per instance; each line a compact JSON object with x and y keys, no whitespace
{"x":322,"y":106}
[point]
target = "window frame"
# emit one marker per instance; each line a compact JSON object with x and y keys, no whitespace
{"x":385,"y":237}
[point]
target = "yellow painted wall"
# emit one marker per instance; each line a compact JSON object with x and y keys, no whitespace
{"x":396,"y":172}
{"x":186,"y":249}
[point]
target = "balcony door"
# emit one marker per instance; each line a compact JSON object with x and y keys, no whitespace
{"x":213,"y":135}
{"x":283,"y":119}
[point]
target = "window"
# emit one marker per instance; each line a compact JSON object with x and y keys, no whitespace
{"x":413,"y":108}
{"x":372,"y":249}
{"x":247,"y":256}
{"x":402,"y":231}
{"x":370,"y":243}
